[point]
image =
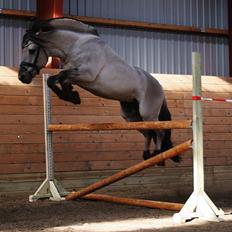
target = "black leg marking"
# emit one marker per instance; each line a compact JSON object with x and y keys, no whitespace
{"x":146,"y":155}
{"x":65,"y":93}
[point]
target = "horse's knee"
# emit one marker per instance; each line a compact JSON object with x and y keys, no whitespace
{"x":51,"y":81}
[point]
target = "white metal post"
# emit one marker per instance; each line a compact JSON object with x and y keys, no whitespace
{"x":198,"y":161}
{"x":199,"y":204}
{"x":50,"y":188}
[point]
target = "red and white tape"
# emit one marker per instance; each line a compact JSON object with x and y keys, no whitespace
{"x":199,"y":98}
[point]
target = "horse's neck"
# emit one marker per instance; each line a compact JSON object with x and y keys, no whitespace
{"x":63,"y":41}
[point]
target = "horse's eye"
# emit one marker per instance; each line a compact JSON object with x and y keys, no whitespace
{"x":31,"y":51}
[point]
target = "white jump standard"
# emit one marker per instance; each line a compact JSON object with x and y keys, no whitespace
{"x":50,"y":188}
{"x":199,"y":204}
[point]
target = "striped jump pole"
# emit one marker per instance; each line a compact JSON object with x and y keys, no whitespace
{"x":200,"y":98}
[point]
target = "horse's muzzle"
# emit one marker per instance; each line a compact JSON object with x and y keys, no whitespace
{"x":25,"y":77}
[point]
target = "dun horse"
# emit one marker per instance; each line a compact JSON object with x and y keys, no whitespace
{"x":91,"y":64}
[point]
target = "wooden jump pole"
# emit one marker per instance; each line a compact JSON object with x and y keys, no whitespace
{"x":181,"y":124}
{"x":135,"y":202}
{"x":131,"y":170}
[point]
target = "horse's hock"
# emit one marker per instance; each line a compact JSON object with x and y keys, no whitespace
{"x":84,"y":157}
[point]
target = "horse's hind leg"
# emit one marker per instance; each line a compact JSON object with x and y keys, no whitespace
{"x":165,"y":115}
{"x":162,"y":139}
{"x":150,"y":112}
{"x":149,"y":135}
{"x":130,"y":112}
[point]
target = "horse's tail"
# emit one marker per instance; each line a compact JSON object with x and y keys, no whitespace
{"x":165,"y":115}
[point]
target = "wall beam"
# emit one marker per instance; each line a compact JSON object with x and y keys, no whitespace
{"x":130,"y":24}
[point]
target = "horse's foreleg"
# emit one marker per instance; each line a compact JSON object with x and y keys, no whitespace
{"x":66,"y":82}
{"x":65,"y":92}
{"x":51,"y":82}
{"x":72,"y":96}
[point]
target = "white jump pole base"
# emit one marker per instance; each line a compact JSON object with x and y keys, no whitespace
{"x":51,"y":189}
{"x":199,"y":204}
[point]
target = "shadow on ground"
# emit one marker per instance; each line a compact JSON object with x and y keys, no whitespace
{"x":87,"y":216}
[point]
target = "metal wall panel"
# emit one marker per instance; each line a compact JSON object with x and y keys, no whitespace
{"x":11,"y":33}
{"x":200,"y":13}
{"x":163,"y":52}
{"x":12,"y":30}
{"x":168,"y":52}
{"x":18,"y":4}
{"x":153,"y":51}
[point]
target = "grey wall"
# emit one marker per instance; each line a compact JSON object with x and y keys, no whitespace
{"x":160,"y":52}
{"x":200,"y":13}
{"x":18,"y":4}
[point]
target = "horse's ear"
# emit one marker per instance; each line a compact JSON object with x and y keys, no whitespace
{"x":31,"y":23}
{"x":36,"y":26}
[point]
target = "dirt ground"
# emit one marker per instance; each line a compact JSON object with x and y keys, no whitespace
{"x":90,"y":216}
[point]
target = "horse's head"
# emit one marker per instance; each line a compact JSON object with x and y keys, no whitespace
{"x":40,"y":41}
{"x":34,"y":58}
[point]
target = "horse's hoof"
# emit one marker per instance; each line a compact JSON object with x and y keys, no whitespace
{"x":146,"y":155}
{"x":156,"y":152}
{"x":74,"y":97}
{"x":75,"y":101}
{"x":176,"y":159}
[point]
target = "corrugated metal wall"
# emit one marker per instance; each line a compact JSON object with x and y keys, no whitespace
{"x":168,"y":52}
{"x":158,"y":52}
{"x":11,"y":33}
{"x":18,"y":4}
{"x":200,"y":13}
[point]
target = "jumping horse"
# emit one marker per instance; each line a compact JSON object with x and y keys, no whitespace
{"x":91,"y":64}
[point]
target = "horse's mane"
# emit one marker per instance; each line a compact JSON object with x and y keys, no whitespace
{"x":64,"y":23}
{"x":71,"y":25}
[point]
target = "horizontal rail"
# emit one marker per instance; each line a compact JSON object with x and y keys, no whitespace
{"x":135,"y":202}
{"x":181,"y":124}
{"x":131,"y":170}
